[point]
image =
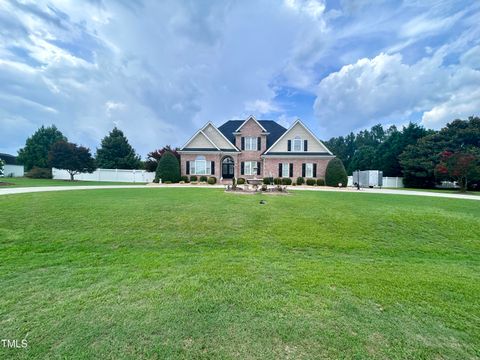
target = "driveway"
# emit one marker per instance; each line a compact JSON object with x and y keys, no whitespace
{"x":20,"y":190}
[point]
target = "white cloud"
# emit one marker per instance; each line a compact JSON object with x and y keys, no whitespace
{"x":378,"y":89}
{"x":261,"y":107}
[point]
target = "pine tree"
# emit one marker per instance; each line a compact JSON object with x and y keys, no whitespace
{"x":116,"y":153}
{"x":37,"y":146}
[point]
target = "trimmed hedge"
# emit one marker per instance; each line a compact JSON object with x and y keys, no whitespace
{"x":203,"y":178}
{"x":311,"y":182}
{"x":321,"y":182}
{"x":300,"y":180}
{"x":335,"y":173}
{"x":286,"y":181}
{"x":39,"y":173}
{"x":184,"y":179}
{"x":193,"y":178}
{"x":212,"y":180}
{"x":240,"y":181}
{"x":168,"y":168}
{"x":267,"y":181}
{"x":277,"y":181}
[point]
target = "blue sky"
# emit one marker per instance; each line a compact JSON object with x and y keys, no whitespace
{"x":160,"y":69}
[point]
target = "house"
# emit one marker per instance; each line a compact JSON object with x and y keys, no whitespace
{"x":254,"y":148}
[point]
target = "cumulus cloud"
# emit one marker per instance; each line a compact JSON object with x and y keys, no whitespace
{"x":159,"y":70}
{"x":378,"y":89}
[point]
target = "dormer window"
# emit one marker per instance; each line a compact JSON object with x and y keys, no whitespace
{"x":297,"y":144}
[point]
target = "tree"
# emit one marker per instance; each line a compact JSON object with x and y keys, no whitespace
{"x":2,"y":164}
{"x":388,"y":152}
{"x":71,"y":157}
{"x":154,"y":156}
{"x":37,"y":146}
{"x":460,"y":167}
{"x":363,"y":159}
{"x":420,"y":160}
{"x":335,"y":173}
{"x":168,"y":168}
{"x":116,"y":153}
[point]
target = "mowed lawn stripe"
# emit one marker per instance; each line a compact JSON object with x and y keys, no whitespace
{"x":198,"y":273}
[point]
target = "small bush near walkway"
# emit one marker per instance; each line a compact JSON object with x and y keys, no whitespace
{"x":300,"y":180}
{"x":39,"y":173}
{"x":311,"y":182}
{"x":212,"y":180}
{"x":321,"y":182}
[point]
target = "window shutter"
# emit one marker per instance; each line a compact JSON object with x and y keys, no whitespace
{"x":259,"y":143}
{"x":291,"y":170}
{"x":305,"y":145}
{"x":303,"y":169}
{"x":187,"y":167}
{"x":314,"y":170}
{"x":258,"y":165}
{"x":242,"y":168}
{"x":289,"y":145}
{"x":212,"y":167}
{"x":280,"y":170}
{"x":243,"y":143}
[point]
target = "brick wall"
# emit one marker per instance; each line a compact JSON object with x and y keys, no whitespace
{"x":217,"y":157}
{"x":271,"y":166}
{"x":250,"y":128}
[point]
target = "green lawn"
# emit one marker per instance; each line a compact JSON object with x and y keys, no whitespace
{"x":27,"y":182}
{"x":444,"y":191}
{"x":197,"y":273}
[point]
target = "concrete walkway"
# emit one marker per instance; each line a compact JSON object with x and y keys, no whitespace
{"x":21,"y":190}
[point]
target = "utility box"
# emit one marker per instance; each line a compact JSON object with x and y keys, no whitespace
{"x":368,"y":178}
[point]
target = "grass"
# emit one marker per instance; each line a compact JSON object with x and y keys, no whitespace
{"x":198,"y":273}
{"x":444,"y":191}
{"x":27,"y":182}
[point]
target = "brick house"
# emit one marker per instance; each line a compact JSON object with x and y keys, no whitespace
{"x":254,"y":148}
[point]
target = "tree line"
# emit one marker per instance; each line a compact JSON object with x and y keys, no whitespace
{"x":49,"y":148}
{"x":422,"y":157}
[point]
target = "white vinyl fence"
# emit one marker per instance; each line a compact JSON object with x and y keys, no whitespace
{"x":13,"y":170}
{"x":390,"y":182}
{"x":119,"y":175}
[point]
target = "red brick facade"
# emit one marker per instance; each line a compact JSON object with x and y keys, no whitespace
{"x":269,"y":164}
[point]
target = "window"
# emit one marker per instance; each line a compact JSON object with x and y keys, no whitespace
{"x":250,"y":168}
{"x":309,"y":170}
{"x":297,"y":144}
{"x":285,"y":170}
{"x":200,"y":166}
{"x":251,"y":143}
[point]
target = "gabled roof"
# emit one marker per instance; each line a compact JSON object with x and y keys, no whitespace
{"x":202,"y":133}
{"x":289,"y":129}
{"x":251,"y":117}
{"x":273,"y":129}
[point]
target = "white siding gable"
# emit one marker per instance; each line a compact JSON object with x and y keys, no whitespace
{"x":298,"y":130}
{"x":201,"y":141}
{"x":216,"y":136}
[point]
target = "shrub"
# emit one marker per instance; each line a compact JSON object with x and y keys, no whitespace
{"x":267,"y":180}
{"x":321,"y":182}
{"x":193,"y":178}
{"x":311,"y":182}
{"x":286,"y":181}
{"x":264,"y":187}
{"x":300,"y":180}
{"x":203,"y":178}
{"x":240,"y":181}
{"x":335,"y":173}
{"x":184,"y":179}
{"x":167,"y":182}
{"x":277,"y":181}
{"x":168,"y":168}
{"x":39,"y":173}
{"x":212,"y":180}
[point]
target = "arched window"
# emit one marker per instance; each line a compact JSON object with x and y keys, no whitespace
{"x":297,"y":143}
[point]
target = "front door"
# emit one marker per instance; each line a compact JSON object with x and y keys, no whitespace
{"x":227,"y":168}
